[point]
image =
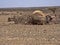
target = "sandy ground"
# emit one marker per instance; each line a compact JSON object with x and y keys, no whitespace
{"x":16,"y":34}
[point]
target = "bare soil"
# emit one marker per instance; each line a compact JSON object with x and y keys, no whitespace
{"x":17,"y":34}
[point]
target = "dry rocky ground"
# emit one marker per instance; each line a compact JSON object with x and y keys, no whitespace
{"x":17,"y":34}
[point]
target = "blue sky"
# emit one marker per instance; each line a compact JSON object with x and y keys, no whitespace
{"x":28,"y":3}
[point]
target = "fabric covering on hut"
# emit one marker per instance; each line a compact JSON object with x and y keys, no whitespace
{"x":38,"y":17}
{"x":39,"y":12}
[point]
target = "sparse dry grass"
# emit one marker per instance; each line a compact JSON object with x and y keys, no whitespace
{"x":17,"y":34}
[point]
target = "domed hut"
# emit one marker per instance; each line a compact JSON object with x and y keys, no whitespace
{"x":39,"y":17}
{"x":39,"y":12}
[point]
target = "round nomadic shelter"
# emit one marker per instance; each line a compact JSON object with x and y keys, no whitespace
{"x":40,"y":16}
{"x":39,"y":12}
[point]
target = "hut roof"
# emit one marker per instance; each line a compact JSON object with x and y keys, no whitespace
{"x":39,"y":12}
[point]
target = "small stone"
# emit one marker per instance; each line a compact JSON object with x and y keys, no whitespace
{"x":53,"y":38}
{"x":25,"y":22}
{"x":30,"y":32}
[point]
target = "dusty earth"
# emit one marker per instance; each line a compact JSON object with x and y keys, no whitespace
{"x":17,"y":34}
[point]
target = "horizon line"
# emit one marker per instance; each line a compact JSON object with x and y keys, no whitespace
{"x":29,"y":7}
